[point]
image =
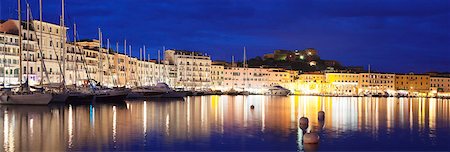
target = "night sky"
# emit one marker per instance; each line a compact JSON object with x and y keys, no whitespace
{"x":391,"y":35}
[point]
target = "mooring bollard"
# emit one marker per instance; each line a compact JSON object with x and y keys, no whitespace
{"x":252,"y":107}
{"x":311,"y":138}
{"x":303,"y":123}
{"x":321,"y":115}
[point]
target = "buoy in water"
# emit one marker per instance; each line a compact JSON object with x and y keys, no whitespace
{"x":252,"y":107}
{"x":321,"y":115}
{"x":311,"y":138}
{"x":303,"y":123}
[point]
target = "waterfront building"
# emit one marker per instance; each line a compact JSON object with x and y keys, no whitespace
{"x":192,"y":70}
{"x":440,"y":84}
{"x":413,"y":83}
{"x":257,"y":80}
{"x":217,"y":76}
{"x":52,"y":41}
{"x":84,"y":60}
{"x":312,"y":83}
{"x":9,"y":59}
{"x":343,"y":83}
{"x":376,"y":83}
{"x":248,"y":79}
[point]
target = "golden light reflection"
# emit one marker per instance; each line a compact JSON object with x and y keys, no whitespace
{"x":70,"y":127}
{"x":114,"y":127}
{"x":200,"y":119}
{"x":144,"y":120}
{"x":432,"y":117}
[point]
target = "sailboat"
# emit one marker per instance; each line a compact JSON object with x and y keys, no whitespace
{"x":245,"y":93}
{"x":232,"y":91}
{"x":61,"y":93}
{"x":101,"y":93}
{"x":160,"y":90}
{"x":79,"y":94}
{"x":24,"y":94}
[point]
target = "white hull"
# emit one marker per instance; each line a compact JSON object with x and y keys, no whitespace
{"x":161,"y":90}
{"x":277,"y":91}
{"x":26,"y":99}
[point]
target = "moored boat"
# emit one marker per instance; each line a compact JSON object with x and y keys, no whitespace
{"x":160,"y":90}
{"x":110,"y":95}
{"x":277,"y":91}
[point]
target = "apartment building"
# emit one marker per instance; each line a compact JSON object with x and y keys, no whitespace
{"x":217,"y":76}
{"x":343,"y":83}
{"x":412,"y":82}
{"x":9,"y":59}
{"x":440,"y":84}
{"x":192,"y":70}
{"x":376,"y":83}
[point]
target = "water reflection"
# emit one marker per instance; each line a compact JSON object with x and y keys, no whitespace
{"x":228,"y":123}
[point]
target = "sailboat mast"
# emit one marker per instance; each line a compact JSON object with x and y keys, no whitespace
{"x":159,"y":66}
{"x":63,"y":41}
{"x":109,"y":63}
{"x":20,"y":41}
{"x":27,"y":55}
{"x":144,"y":67}
{"x":140,"y":67}
{"x":75,"y":48}
{"x":129,"y":49}
{"x":100,"y":55}
{"x":126,"y":57}
{"x":40,"y":42}
{"x":117,"y":65}
{"x":245,"y":69}
{"x":4,"y":59}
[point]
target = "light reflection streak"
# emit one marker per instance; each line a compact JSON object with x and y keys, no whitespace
{"x":432,"y":117}
{"x":5,"y":131}
{"x":91,"y":116}
{"x":144,"y":121}
{"x":263,"y":115}
{"x":401,"y":112}
{"x":9,"y":126}
{"x":31,"y":128}
{"x":410,"y":116}
{"x":70,"y":127}
{"x":245,"y":111}
{"x":292,"y":105}
{"x":167,"y":123}
{"x":188,"y":115}
{"x":114,"y":129}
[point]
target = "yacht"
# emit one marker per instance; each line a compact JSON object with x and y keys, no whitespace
{"x":24,"y":96}
{"x":110,"y":95}
{"x":160,"y":90}
{"x":277,"y":91}
{"x":80,"y":96}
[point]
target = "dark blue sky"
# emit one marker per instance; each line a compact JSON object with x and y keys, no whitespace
{"x":391,"y":35}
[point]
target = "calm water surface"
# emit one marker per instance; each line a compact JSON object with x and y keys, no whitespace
{"x":228,"y":123}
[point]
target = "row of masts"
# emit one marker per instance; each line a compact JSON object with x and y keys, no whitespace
{"x":63,"y":51}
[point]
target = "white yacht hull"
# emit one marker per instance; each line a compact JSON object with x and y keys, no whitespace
{"x":277,"y":92}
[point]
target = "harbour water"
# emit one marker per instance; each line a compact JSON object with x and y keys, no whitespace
{"x":228,"y":123}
